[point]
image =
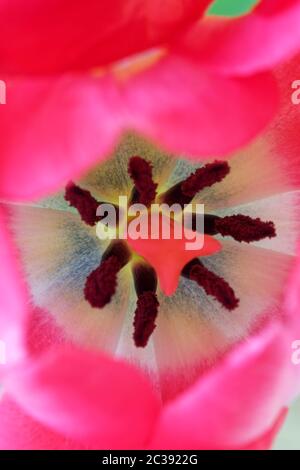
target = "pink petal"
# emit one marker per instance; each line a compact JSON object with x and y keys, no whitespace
{"x":271,"y":164}
{"x":180,"y":105}
{"x":91,"y":398}
{"x":59,"y":36}
{"x":283,"y":136}
{"x":42,"y":332}
{"x":292,"y":303}
{"x":233,"y":404}
{"x":53,"y":129}
{"x":19,"y":431}
{"x":266,"y":440}
{"x":12,"y":302}
{"x":249,"y":44}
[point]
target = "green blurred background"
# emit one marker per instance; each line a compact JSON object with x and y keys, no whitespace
{"x":289,"y":437}
{"x":231,"y":7}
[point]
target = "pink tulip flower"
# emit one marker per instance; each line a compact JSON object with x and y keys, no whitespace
{"x":94,"y":363}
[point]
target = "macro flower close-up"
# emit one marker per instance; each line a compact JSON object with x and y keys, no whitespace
{"x":119,"y":335}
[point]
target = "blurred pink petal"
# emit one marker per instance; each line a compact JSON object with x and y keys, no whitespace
{"x":12,"y":300}
{"x":266,"y":440}
{"x":176,"y":103}
{"x":61,"y":36}
{"x":55,"y":128}
{"x":119,"y":407}
{"x":19,"y":431}
{"x":246,"y":45}
{"x":210,"y":413}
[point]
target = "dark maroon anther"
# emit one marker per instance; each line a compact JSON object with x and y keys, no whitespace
{"x":213,"y":285}
{"x":84,"y":202}
{"x":209,"y":223}
{"x":140,"y":171}
{"x":203,"y":177}
{"x":183,"y":192}
{"x":144,"y":277}
{"x":175,"y":195}
{"x":245,"y":229}
{"x":101,"y":284}
{"x":120,"y":250}
{"x":144,"y":318}
{"x":145,"y":282}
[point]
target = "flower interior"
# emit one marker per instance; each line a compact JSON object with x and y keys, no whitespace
{"x":164,"y":260}
{"x":167,"y":309}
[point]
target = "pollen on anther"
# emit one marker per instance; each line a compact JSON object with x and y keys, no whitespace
{"x":183,"y":192}
{"x":141,"y":173}
{"x":212,"y":284}
{"x":83,"y":201}
{"x":203,"y":177}
{"x":144,"y":318}
{"x":101,"y":284}
{"x":245,"y":229}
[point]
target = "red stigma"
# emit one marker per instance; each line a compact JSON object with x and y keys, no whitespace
{"x":141,"y":173}
{"x":203,"y":177}
{"x":144,"y":318}
{"x":101,"y":284}
{"x":245,"y":229}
